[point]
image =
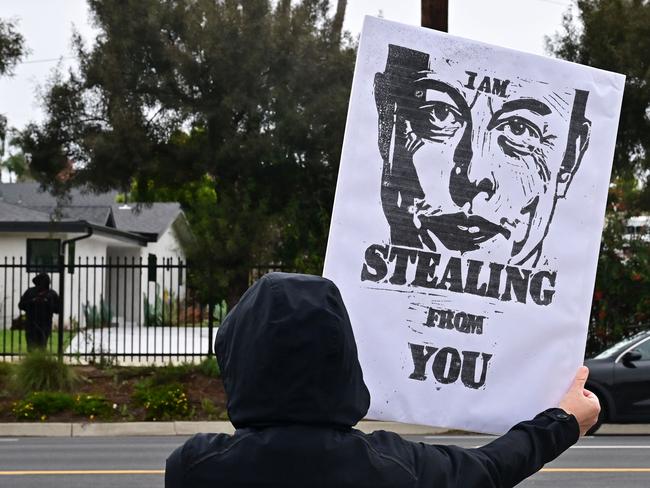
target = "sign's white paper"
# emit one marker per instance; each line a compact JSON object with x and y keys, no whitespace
{"x":467,"y":222}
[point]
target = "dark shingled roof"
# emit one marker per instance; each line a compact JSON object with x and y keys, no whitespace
{"x":29,"y":194}
{"x":16,"y":213}
{"x":25,"y":202}
{"x":146,"y":219}
{"x":94,"y":215}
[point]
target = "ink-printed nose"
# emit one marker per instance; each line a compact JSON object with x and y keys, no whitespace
{"x":471,"y":174}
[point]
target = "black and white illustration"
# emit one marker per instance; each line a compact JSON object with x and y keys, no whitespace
{"x":467,"y":221}
{"x":472,"y":161}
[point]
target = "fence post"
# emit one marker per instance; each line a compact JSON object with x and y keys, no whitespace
{"x":210,"y":327}
{"x":61,"y":302}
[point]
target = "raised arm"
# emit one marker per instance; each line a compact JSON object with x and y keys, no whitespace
{"x":519,"y":453}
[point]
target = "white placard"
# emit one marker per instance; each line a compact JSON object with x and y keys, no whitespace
{"x":467,"y":222}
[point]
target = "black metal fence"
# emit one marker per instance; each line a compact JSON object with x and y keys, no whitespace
{"x":120,"y":308}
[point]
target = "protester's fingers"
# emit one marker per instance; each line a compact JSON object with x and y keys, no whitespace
{"x":588,"y":394}
{"x":580,"y":379}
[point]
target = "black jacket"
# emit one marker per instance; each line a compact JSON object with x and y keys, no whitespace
{"x":39,"y":305}
{"x":295,"y":389}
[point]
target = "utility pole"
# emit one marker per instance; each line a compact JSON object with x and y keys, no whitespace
{"x":435,"y":14}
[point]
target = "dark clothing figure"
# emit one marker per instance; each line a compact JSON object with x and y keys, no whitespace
{"x":295,"y":389}
{"x":39,"y":303}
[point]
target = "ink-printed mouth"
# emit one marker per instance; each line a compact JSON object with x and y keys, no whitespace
{"x":459,"y":231}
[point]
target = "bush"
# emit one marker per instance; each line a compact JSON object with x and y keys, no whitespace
{"x":6,"y":371}
{"x":210,"y":367}
{"x":171,"y":374}
{"x":162,"y":402}
{"x":38,"y":405}
{"x":92,"y":406}
{"x":211,"y":411}
{"x":163,"y":311}
{"x":95,"y":316}
{"x":41,"y":371}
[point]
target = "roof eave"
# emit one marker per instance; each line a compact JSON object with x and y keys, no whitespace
{"x":79,"y":226}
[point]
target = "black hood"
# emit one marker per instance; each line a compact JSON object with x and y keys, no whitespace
{"x":287,"y":355}
{"x":41,"y":280}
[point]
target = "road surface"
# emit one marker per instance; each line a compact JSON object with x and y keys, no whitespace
{"x":103,"y":462}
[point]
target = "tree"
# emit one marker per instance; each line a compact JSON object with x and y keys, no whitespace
{"x":12,"y":49}
{"x":16,"y":164}
{"x":250,"y":94}
{"x":615,"y":35}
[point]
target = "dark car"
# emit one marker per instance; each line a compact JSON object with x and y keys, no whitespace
{"x":620,"y":377}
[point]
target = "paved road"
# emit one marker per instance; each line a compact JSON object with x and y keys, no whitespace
{"x":139,"y":461}
{"x":595,"y":462}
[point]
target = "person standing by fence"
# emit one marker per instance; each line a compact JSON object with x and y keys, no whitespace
{"x":39,"y":303}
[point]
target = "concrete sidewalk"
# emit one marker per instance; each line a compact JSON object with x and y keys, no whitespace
{"x":111,"y":429}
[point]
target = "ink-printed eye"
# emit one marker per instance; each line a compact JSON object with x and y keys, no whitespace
{"x":442,"y":120}
{"x":520,"y":131}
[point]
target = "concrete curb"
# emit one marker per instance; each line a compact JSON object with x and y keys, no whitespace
{"x":115,"y":429}
{"x":624,"y":429}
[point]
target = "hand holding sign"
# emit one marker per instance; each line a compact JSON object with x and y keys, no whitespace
{"x":582,"y":403}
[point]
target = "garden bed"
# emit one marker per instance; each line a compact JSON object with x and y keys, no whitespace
{"x":119,"y":394}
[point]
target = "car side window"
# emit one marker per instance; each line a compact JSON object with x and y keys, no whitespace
{"x":644,"y":349}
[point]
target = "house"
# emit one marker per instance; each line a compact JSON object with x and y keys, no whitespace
{"x":109,"y":250}
{"x":638,"y":228}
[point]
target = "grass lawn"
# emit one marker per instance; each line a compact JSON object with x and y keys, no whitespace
{"x":14,"y":341}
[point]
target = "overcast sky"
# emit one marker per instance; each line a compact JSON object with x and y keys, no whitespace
{"x":47,"y":27}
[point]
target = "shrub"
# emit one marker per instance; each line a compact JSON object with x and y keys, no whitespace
{"x":40,"y":404}
{"x":162,"y":402}
{"x":92,"y":406}
{"x":210,"y":367}
{"x":95,"y":316}
{"x":41,"y":371}
{"x":171,"y":374}
{"x":6,"y":371}
{"x":163,"y":311}
{"x":211,"y":411}
{"x":220,"y":311}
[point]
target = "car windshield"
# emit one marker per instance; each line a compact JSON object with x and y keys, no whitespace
{"x":619,"y":347}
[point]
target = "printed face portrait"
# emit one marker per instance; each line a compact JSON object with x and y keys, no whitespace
{"x":474,"y":161}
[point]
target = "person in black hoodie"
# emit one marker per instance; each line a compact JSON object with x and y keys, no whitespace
{"x":295,"y":390}
{"x":39,"y":304}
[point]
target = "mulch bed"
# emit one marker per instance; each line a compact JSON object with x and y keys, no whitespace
{"x":117,"y":385}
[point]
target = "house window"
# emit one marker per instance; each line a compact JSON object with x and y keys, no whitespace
{"x":43,"y":255}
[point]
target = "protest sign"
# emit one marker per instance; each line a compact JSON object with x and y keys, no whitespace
{"x":466,"y":225}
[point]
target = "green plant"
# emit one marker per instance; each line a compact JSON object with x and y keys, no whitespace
{"x":41,"y":371}
{"x":6,"y":376}
{"x":211,"y":411}
{"x":92,"y":406}
{"x":209,"y":367}
{"x":171,"y":373}
{"x":220,"y":311}
{"x":6,"y":370}
{"x":163,"y":311}
{"x":162,"y":402}
{"x":95,"y":316}
{"x":38,"y":405}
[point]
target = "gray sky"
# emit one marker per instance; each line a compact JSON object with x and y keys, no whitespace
{"x":47,"y":27}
